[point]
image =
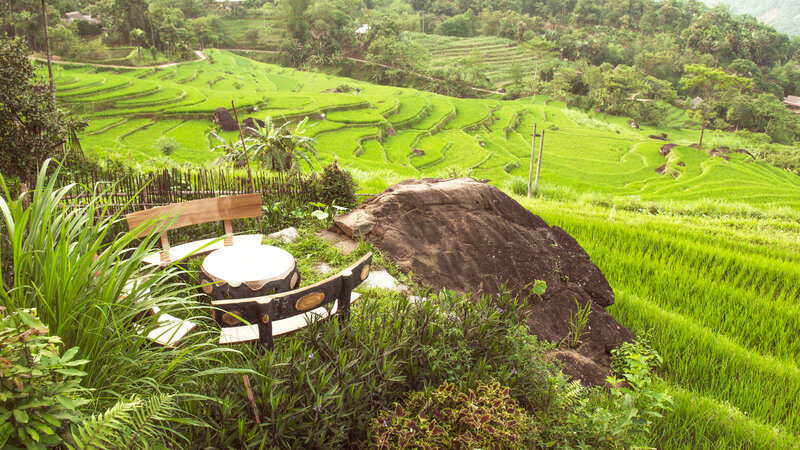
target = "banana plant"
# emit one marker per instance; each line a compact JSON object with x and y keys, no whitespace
{"x":280,"y":147}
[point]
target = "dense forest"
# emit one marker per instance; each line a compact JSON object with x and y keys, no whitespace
{"x":620,"y":57}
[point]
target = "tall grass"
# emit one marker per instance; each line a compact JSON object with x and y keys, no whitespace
{"x":86,"y":284}
{"x":718,"y":295}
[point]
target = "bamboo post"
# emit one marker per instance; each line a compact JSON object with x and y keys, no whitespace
{"x":247,"y":158}
{"x":244,"y":148}
{"x":533,"y":150}
{"x":538,"y":165}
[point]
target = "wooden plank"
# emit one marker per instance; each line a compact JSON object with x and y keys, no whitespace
{"x":196,"y":212}
{"x":250,"y":333}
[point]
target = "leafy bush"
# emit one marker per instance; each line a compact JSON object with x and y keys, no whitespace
{"x":325,"y":384}
{"x":337,"y":187}
{"x":167,"y":145}
{"x":624,"y":356}
{"x":448,"y":417}
{"x":39,"y":389}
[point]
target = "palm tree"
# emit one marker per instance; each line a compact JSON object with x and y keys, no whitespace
{"x":280,"y":147}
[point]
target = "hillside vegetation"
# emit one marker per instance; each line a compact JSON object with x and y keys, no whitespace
{"x":784,"y":15}
{"x":410,"y":133}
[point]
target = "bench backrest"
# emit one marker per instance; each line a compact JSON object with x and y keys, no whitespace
{"x":197,"y":211}
{"x":267,"y":309}
{"x":178,"y":215}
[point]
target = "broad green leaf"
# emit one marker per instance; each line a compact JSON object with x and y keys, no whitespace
{"x":71,"y":372}
{"x":66,"y":402}
{"x":5,"y":433}
{"x":68,"y":355}
{"x":32,"y":433}
{"x":21,"y":416}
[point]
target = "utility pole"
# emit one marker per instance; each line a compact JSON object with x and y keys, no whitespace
{"x":538,"y":166}
{"x":49,"y":58}
{"x":533,"y":153}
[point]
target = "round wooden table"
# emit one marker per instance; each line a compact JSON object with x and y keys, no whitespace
{"x":242,"y":271}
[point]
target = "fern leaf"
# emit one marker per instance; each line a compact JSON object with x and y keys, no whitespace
{"x":122,"y":423}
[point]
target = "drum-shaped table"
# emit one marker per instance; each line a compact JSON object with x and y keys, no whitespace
{"x":242,"y":271}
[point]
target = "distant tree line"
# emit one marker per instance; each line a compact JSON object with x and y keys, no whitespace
{"x":624,"y":57}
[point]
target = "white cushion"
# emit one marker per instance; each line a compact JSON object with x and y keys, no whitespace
{"x":170,"y":330}
{"x":201,"y":247}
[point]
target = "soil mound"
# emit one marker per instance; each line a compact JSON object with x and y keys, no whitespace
{"x":666,"y":148}
{"x":225,"y":120}
{"x":469,"y":236}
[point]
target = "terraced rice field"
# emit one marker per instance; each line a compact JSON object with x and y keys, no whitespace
{"x":498,"y":53}
{"x":719,"y":298}
{"x":409,"y":132}
{"x":718,"y":295}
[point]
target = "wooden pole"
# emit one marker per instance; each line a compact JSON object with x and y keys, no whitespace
{"x":244,"y":148}
{"x":247,"y":158}
{"x":533,"y":150}
{"x":49,"y":58}
{"x":538,"y":165}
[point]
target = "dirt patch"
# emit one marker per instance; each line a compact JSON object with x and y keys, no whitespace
{"x":471,"y":237}
{"x":681,"y":163}
{"x":660,"y":170}
{"x":714,"y":153}
{"x":417,"y":152}
{"x":745,"y":152}
{"x":224,"y":119}
{"x":660,"y":136}
{"x":666,"y":148}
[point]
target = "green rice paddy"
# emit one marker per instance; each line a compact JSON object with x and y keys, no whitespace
{"x":705,"y":258}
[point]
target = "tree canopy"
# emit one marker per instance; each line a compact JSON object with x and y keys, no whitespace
{"x":31,"y":128}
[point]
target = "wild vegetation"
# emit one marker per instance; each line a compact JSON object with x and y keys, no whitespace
{"x":699,"y":244}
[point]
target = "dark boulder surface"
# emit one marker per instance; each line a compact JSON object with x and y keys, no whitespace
{"x":469,"y":236}
{"x":225,"y":120}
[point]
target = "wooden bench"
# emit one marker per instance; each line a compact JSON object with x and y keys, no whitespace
{"x":262,"y":318}
{"x":178,"y":215}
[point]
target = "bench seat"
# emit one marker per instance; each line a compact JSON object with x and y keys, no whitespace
{"x":170,"y":330}
{"x":201,"y":247}
{"x":249,"y":333}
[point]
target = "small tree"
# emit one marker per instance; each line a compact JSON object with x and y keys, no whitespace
{"x":281,"y":148}
{"x":274,"y":147}
{"x":138,"y":38}
{"x":710,"y":82}
{"x":31,"y":130}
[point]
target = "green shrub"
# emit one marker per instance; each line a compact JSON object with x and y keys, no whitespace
{"x":448,"y":417}
{"x":39,"y":389}
{"x":167,"y":145}
{"x":337,"y":187}
{"x":623,"y":357}
{"x":323,"y":386}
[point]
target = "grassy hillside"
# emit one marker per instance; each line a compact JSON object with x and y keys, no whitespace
{"x":784,"y":15}
{"x":703,"y":257}
{"x":130,"y":109}
{"x":498,"y":53}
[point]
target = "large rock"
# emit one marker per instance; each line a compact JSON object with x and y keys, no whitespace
{"x":471,"y":237}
